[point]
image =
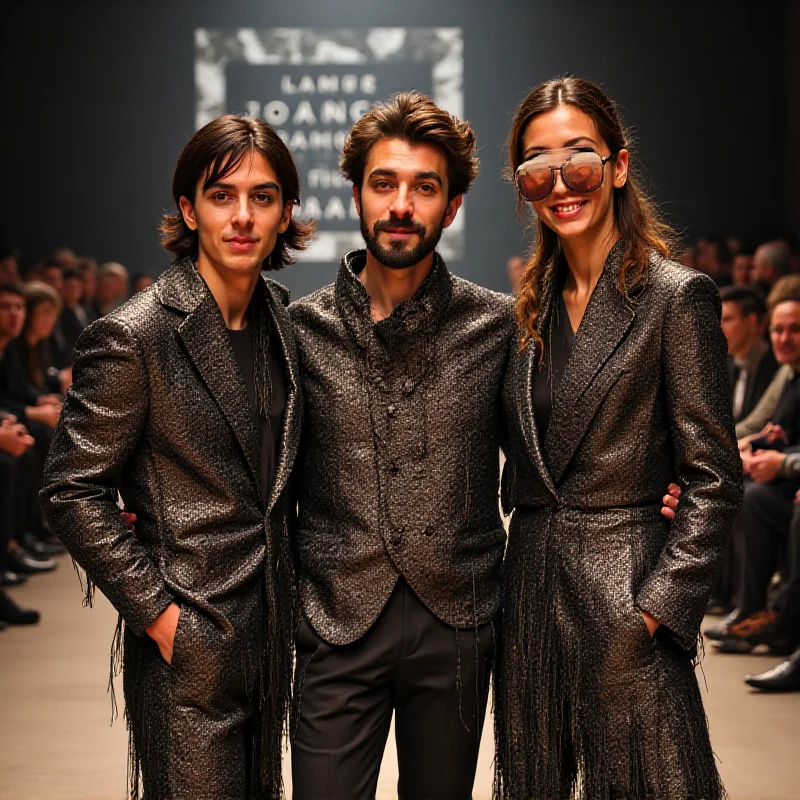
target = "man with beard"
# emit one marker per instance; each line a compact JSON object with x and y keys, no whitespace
{"x":399,"y":540}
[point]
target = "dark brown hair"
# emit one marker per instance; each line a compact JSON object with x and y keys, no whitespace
{"x":748,"y":299}
{"x":416,"y":119}
{"x":215,"y":151}
{"x":637,"y":220}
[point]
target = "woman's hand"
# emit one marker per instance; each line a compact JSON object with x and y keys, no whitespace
{"x":652,"y":623}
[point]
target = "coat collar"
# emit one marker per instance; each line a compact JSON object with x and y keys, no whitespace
{"x":420,"y":313}
{"x":606,"y":321}
{"x":205,"y":338}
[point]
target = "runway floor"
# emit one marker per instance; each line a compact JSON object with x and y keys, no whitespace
{"x":56,"y":743}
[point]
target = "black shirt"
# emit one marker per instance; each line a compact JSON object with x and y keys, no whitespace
{"x":557,"y":350}
{"x":268,"y":430}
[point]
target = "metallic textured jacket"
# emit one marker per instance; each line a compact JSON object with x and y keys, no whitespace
{"x":158,"y":410}
{"x":398,"y":467}
{"x":645,"y":400}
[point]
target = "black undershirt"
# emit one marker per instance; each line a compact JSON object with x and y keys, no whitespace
{"x":557,"y":350}
{"x":268,"y":430}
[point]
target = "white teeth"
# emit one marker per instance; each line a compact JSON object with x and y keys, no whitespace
{"x":566,"y":209}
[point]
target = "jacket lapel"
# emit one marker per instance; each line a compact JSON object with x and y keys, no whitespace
{"x":524,"y":401}
{"x":292,"y":415}
{"x":205,"y":338}
{"x":607,"y":319}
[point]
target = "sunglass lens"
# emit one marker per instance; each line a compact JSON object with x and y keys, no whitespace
{"x":535,"y":183}
{"x":583,"y":172}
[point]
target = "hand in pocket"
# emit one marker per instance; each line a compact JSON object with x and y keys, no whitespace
{"x":162,"y":630}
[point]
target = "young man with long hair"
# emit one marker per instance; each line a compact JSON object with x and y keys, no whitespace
{"x":185,"y":401}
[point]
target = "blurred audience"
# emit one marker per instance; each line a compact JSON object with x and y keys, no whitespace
{"x":515,"y":269}
{"x":112,"y":288}
{"x":771,"y":261}
{"x":741,"y":268}
{"x":141,"y":280}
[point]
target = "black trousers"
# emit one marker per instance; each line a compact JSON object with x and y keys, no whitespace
{"x":787,"y":601}
{"x":761,"y":533}
{"x":435,"y":678}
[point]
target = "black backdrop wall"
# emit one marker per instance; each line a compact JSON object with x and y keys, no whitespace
{"x":97,"y":99}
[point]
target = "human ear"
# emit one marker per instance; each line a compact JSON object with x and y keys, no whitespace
{"x":187,"y":210}
{"x":621,"y":169}
{"x":357,"y":198}
{"x":286,"y":218}
{"x":452,"y":210}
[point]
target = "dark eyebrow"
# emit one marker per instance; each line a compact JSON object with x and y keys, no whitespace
{"x":571,"y":143}
{"x":229,"y":187}
{"x":420,"y":176}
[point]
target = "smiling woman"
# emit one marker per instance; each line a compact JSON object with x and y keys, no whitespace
{"x":618,"y":387}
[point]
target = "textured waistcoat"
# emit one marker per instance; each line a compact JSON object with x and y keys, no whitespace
{"x":398,"y":466}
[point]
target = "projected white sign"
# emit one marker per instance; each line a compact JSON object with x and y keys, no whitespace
{"x":311,"y":85}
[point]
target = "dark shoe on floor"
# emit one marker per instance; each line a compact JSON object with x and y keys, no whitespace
{"x":783,"y":678}
{"x":9,"y":578}
{"x":3,"y":625}
{"x":19,"y":560}
{"x":38,"y":549}
{"x":761,"y":628}
{"x":720,"y":630}
{"x":14,"y":614}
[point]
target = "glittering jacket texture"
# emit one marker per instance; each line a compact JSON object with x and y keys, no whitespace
{"x":587,"y":704}
{"x":158,"y":410}
{"x":398,"y":467}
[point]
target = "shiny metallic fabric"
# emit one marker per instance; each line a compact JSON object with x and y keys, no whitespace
{"x":159,"y":410}
{"x":587,"y":704}
{"x":398,"y":469}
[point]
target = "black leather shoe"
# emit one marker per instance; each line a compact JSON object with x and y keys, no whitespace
{"x":719,"y":631}
{"x":783,"y":678}
{"x":14,"y":614}
{"x":3,"y":625}
{"x":18,"y":560}
{"x":39,"y":549}
{"x":9,"y":578}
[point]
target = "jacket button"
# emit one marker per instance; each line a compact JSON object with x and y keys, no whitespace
{"x":408,"y":386}
{"x":390,"y":410}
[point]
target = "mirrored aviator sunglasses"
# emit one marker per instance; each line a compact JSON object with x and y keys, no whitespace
{"x":582,"y":172}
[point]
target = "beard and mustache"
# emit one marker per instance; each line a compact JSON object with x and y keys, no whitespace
{"x":396,"y":255}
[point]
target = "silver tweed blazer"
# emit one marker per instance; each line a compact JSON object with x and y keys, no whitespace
{"x":159,"y":410}
{"x":644,"y":400}
{"x":399,"y":462}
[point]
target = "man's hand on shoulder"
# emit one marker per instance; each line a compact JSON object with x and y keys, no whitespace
{"x":162,"y":630}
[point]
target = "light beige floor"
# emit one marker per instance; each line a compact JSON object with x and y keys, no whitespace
{"x":56,"y":743}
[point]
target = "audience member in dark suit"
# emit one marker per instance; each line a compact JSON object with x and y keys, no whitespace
{"x":785,"y":677}
{"x":751,"y":362}
{"x":37,"y":410}
{"x":751,"y":367}
{"x":760,"y":534}
{"x":72,"y":321}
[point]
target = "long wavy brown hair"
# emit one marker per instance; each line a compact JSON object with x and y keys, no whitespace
{"x":641,"y":228}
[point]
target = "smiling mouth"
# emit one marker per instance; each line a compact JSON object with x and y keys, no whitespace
{"x":566,"y":209}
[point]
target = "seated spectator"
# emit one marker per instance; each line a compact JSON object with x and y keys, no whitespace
{"x":42,"y":309}
{"x":751,"y":363}
{"x":15,"y":442}
{"x":87,"y":267}
{"x":760,"y":533}
{"x":64,"y":257}
{"x":141,"y":280}
{"x":52,"y":273}
{"x":771,"y":261}
{"x":9,"y":265}
{"x":73,"y":317}
{"x":112,"y":288}
{"x":714,"y":259}
{"x":515,"y":268}
{"x":741,"y":267}
{"x":785,"y":677}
